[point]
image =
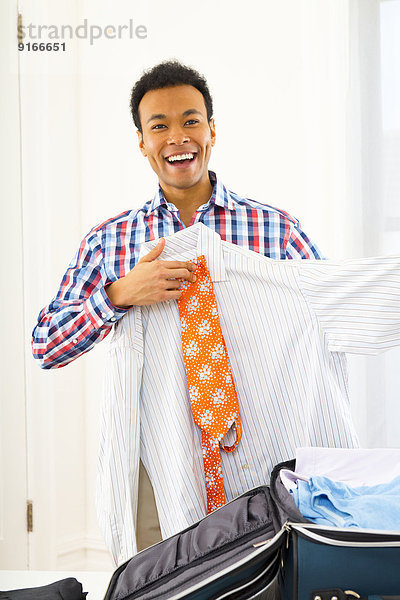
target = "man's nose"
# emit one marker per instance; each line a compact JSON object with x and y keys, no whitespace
{"x":177,"y":136}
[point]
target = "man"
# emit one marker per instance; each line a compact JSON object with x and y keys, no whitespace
{"x":172,"y":109}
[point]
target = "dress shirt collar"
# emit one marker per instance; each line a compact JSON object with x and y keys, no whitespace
{"x":191,"y":242}
{"x":220,"y":195}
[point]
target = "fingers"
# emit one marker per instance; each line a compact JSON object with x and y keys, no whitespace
{"x":172,"y":295}
{"x":178,"y":268}
{"x":176,"y":264}
{"x":155,"y":252}
{"x":173,"y":284}
{"x":180,"y":274}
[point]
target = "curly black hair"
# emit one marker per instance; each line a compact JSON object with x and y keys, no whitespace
{"x":168,"y":74}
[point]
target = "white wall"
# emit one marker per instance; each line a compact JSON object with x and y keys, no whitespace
{"x":288,"y":108}
{"x":13,"y":485}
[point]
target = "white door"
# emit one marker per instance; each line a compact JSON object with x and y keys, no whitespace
{"x":13,"y":475}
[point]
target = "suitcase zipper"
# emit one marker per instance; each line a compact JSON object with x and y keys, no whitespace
{"x":304,"y":530}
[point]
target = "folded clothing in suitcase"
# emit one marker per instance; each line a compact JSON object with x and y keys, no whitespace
{"x":328,"y":562}
{"x":217,"y":557}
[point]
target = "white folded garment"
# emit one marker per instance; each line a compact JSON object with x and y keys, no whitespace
{"x":356,"y":466}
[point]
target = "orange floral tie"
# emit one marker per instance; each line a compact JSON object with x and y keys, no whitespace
{"x":212,"y":390}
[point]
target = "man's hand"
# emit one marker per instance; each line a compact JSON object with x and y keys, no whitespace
{"x":151,"y":280}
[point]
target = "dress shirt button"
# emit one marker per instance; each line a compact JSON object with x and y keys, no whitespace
{"x":103,"y":314}
{"x":245,"y":466}
{"x":75,"y":341}
{"x":113,"y":319}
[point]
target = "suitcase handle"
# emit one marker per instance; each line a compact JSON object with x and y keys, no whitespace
{"x":338,"y":594}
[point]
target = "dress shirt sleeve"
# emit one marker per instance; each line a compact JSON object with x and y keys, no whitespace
{"x":299,"y":245}
{"x":81,"y":314}
{"x":357,"y":302}
{"x":118,"y":460}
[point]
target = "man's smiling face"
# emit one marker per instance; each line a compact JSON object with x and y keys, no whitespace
{"x":176,"y":135}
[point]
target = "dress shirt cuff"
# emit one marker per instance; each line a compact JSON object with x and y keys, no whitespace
{"x":101,"y":310}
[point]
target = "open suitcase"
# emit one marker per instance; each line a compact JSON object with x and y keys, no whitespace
{"x":331,"y":562}
{"x":259,"y":546}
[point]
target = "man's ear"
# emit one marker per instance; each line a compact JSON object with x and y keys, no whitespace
{"x":141,"y":143}
{"x":212,"y":130}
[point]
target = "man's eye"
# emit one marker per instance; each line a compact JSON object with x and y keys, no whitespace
{"x":158,"y":126}
{"x":191,"y":121}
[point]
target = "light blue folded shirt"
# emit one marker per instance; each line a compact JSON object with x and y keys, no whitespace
{"x":332,"y":503}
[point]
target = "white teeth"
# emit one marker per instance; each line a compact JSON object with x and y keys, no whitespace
{"x":180,"y":157}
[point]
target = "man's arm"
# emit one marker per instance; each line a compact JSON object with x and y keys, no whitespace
{"x":81,"y":313}
{"x":299,"y":245}
{"x":87,"y":304}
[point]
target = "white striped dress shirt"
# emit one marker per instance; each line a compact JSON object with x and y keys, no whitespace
{"x":286,"y":326}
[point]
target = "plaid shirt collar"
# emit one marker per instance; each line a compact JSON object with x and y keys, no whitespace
{"x":220,"y":195}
